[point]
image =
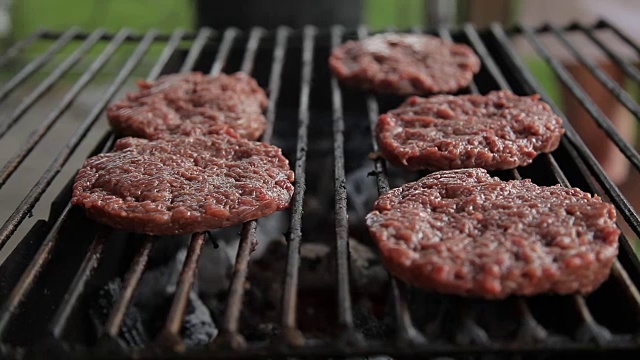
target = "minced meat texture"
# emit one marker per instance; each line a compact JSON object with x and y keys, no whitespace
{"x":404,"y":64}
{"x":496,"y":131}
{"x":191,"y":104}
{"x":181,"y":185}
{"x":463,"y":232}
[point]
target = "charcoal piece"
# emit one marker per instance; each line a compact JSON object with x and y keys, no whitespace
{"x":367,"y":271}
{"x":198,"y":327}
{"x":370,"y":326}
{"x":270,"y":228}
{"x":132,"y":332}
{"x":152,"y":300}
{"x":214,"y":270}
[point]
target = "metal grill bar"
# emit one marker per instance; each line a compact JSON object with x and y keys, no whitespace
{"x":19,"y":46}
{"x":76,"y":288}
{"x":229,"y":336}
{"x":223,"y":53}
{"x":37,"y":63}
{"x":345,"y":313}
{"x":170,"y":335}
{"x":279,"y":51}
{"x":21,"y":212}
{"x":169,"y":49}
{"x":196,"y":48}
{"x":571,"y":136}
{"x":131,"y":279}
{"x":611,"y":85}
{"x":629,"y":70}
{"x":289,"y":296}
{"x":629,"y":152}
{"x":406,"y":332}
{"x":620,"y":34}
{"x":47,"y":83}
{"x":36,"y":135}
{"x":579,"y":93}
{"x":252,"y":47}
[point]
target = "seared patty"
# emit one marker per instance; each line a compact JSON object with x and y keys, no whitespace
{"x":181,"y":185}
{"x":499,"y":130}
{"x":464,"y":232}
{"x":191,"y":104}
{"x":404,"y":64}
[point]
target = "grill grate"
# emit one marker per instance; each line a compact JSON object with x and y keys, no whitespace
{"x":67,"y":257}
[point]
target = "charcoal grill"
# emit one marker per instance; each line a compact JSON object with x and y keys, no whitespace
{"x":62,"y":258}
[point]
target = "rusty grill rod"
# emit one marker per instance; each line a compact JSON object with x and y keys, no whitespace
{"x":36,"y":135}
{"x":38,"y":62}
{"x":59,"y":321}
{"x":19,"y":46}
{"x":279,"y":50}
{"x":47,"y":83}
{"x":345,"y":312}
{"x":30,"y":200}
{"x":170,"y":335}
{"x":406,"y":332}
{"x":229,"y":335}
{"x":291,"y":334}
{"x":131,"y":279}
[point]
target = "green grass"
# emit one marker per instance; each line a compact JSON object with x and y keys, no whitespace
{"x":400,"y":13}
{"x":29,"y":15}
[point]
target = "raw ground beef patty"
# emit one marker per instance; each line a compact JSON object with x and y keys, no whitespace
{"x":191,"y":104}
{"x":181,"y":185}
{"x":496,"y":131}
{"x":464,"y":232}
{"x":404,"y":64}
